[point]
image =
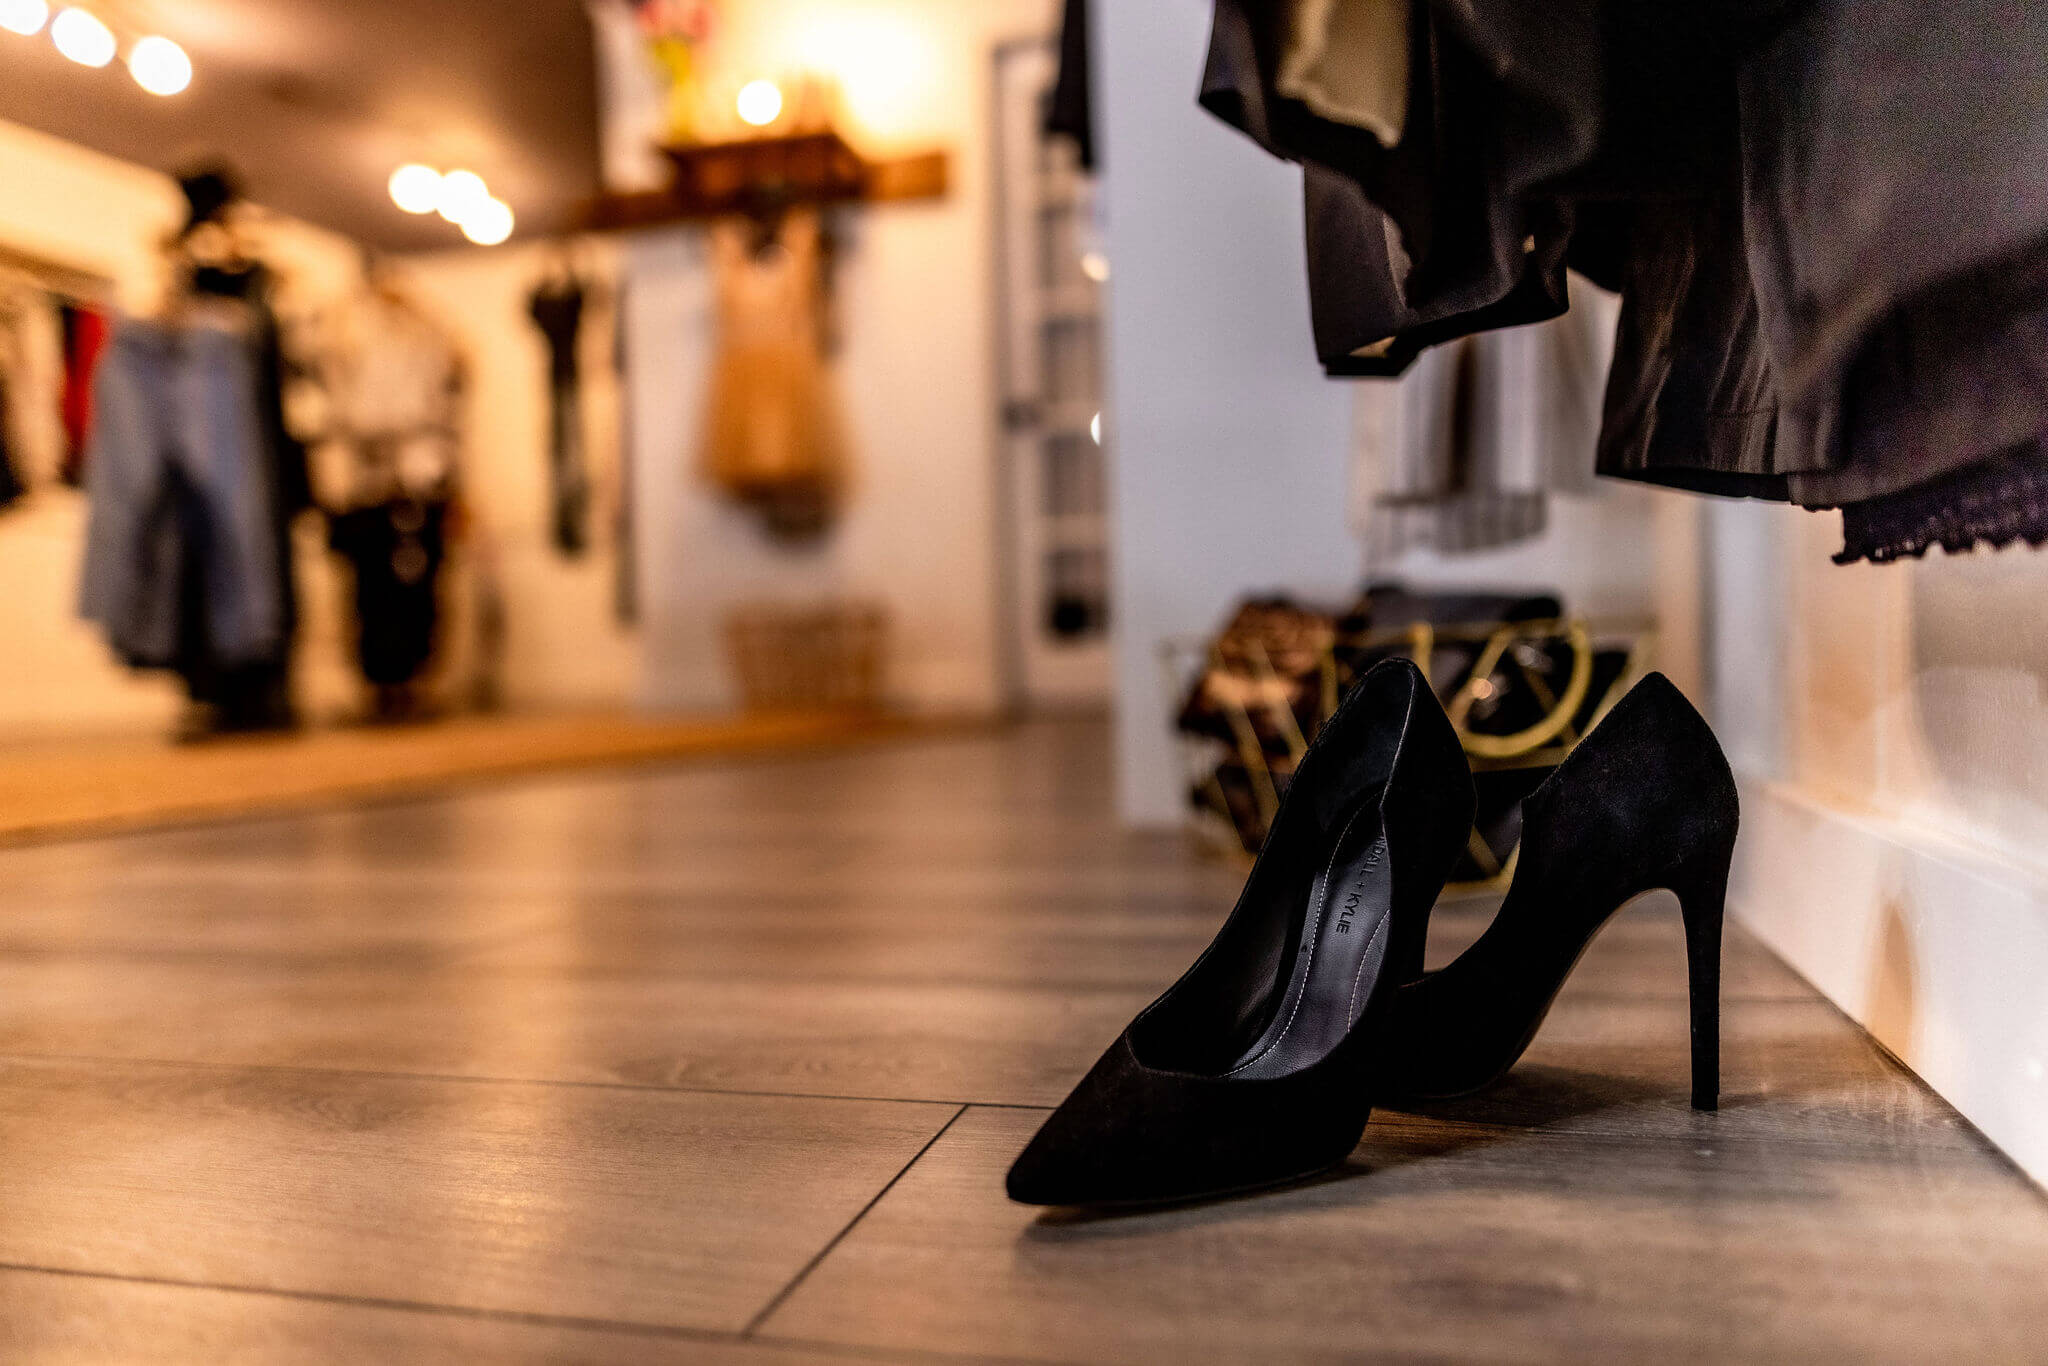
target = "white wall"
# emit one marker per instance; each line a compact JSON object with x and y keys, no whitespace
{"x":917,"y":369}
{"x":1889,"y":724}
{"x":1228,"y":474}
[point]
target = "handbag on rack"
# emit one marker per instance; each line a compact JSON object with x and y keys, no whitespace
{"x":1521,"y":681}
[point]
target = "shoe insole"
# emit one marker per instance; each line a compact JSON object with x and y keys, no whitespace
{"x":1337,"y":963}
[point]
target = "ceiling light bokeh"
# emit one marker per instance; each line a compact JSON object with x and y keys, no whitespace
{"x":25,"y":17}
{"x":159,"y":65}
{"x":760,"y":103}
{"x":416,"y":188}
{"x":460,"y":193}
{"x":82,"y":38}
{"x":488,"y":223}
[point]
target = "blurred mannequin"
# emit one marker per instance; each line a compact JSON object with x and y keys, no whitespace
{"x":382,"y":398}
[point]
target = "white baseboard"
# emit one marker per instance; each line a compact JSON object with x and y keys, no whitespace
{"x":1940,"y":951}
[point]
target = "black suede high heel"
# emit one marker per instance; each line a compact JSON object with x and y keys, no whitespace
{"x":1252,"y":1069}
{"x":1644,"y":802}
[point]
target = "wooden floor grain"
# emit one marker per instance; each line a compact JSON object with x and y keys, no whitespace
{"x":668,"y":1208}
{"x":725,"y":1063}
{"x":64,"y":1319}
{"x":1452,"y":1244}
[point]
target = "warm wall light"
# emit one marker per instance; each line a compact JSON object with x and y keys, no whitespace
{"x":416,"y":188}
{"x":760,"y":103}
{"x":82,"y":38}
{"x":460,"y":193}
{"x":488,"y":223}
{"x":159,"y":65}
{"x":25,"y":17}
{"x":887,"y":68}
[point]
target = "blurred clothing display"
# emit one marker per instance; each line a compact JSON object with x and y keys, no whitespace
{"x":396,"y":551}
{"x":774,"y":440}
{"x":12,"y":486}
{"x":181,"y":543}
{"x":1462,"y":452}
{"x":193,"y":479}
{"x":1825,"y":219}
{"x":632,"y":100}
{"x":557,"y":310}
{"x":85,"y":337}
{"x":259,"y":696}
{"x":32,"y":438}
{"x":626,"y":562}
{"x":251,"y":284}
{"x":378,"y":397}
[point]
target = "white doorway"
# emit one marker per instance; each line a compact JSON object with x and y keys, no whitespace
{"x":1053,"y":482}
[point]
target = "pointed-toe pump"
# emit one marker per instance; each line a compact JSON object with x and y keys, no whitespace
{"x":1252,"y":1069}
{"x":1645,"y":802}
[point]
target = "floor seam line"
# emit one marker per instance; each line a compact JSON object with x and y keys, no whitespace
{"x":527,"y":1316}
{"x":207,"y":1064}
{"x":781,"y":1296}
{"x":895,"y":1354}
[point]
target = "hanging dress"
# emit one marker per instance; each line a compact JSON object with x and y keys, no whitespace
{"x":773,"y":439}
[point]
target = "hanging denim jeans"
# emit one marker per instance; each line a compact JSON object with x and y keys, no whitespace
{"x":178,"y":476}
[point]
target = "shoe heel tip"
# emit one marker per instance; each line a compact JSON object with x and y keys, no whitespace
{"x":1708,"y":1102}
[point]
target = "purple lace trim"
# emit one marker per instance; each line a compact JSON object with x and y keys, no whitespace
{"x":1992,"y":503}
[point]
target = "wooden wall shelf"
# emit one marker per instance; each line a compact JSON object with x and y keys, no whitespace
{"x":759,"y":175}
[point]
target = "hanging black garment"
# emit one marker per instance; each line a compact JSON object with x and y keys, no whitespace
{"x":1071,"y":111}
{"x":557,"y":310}
{"x":1948,"y":378}
{"x":1724,"y":323}
{"x":1450,"y":231}
{"x":1826,"y":218}
{"x":1992,"y":503}
{"x":1691,"y":402}
{"x":1886,"y":156}
{"x":1531,"y":133}
{"x":625,"y":556}
{"x":396,"y":550}
{"x":1364,"y":324}
{"x":11,"y":485}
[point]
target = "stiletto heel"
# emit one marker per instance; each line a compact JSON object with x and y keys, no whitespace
{"x":1702,"y":895}
{"x":1253,"y":1068}
{"x":1644,"y":802}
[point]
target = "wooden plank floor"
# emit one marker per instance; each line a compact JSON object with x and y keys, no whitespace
{"x":725,"y":1063}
